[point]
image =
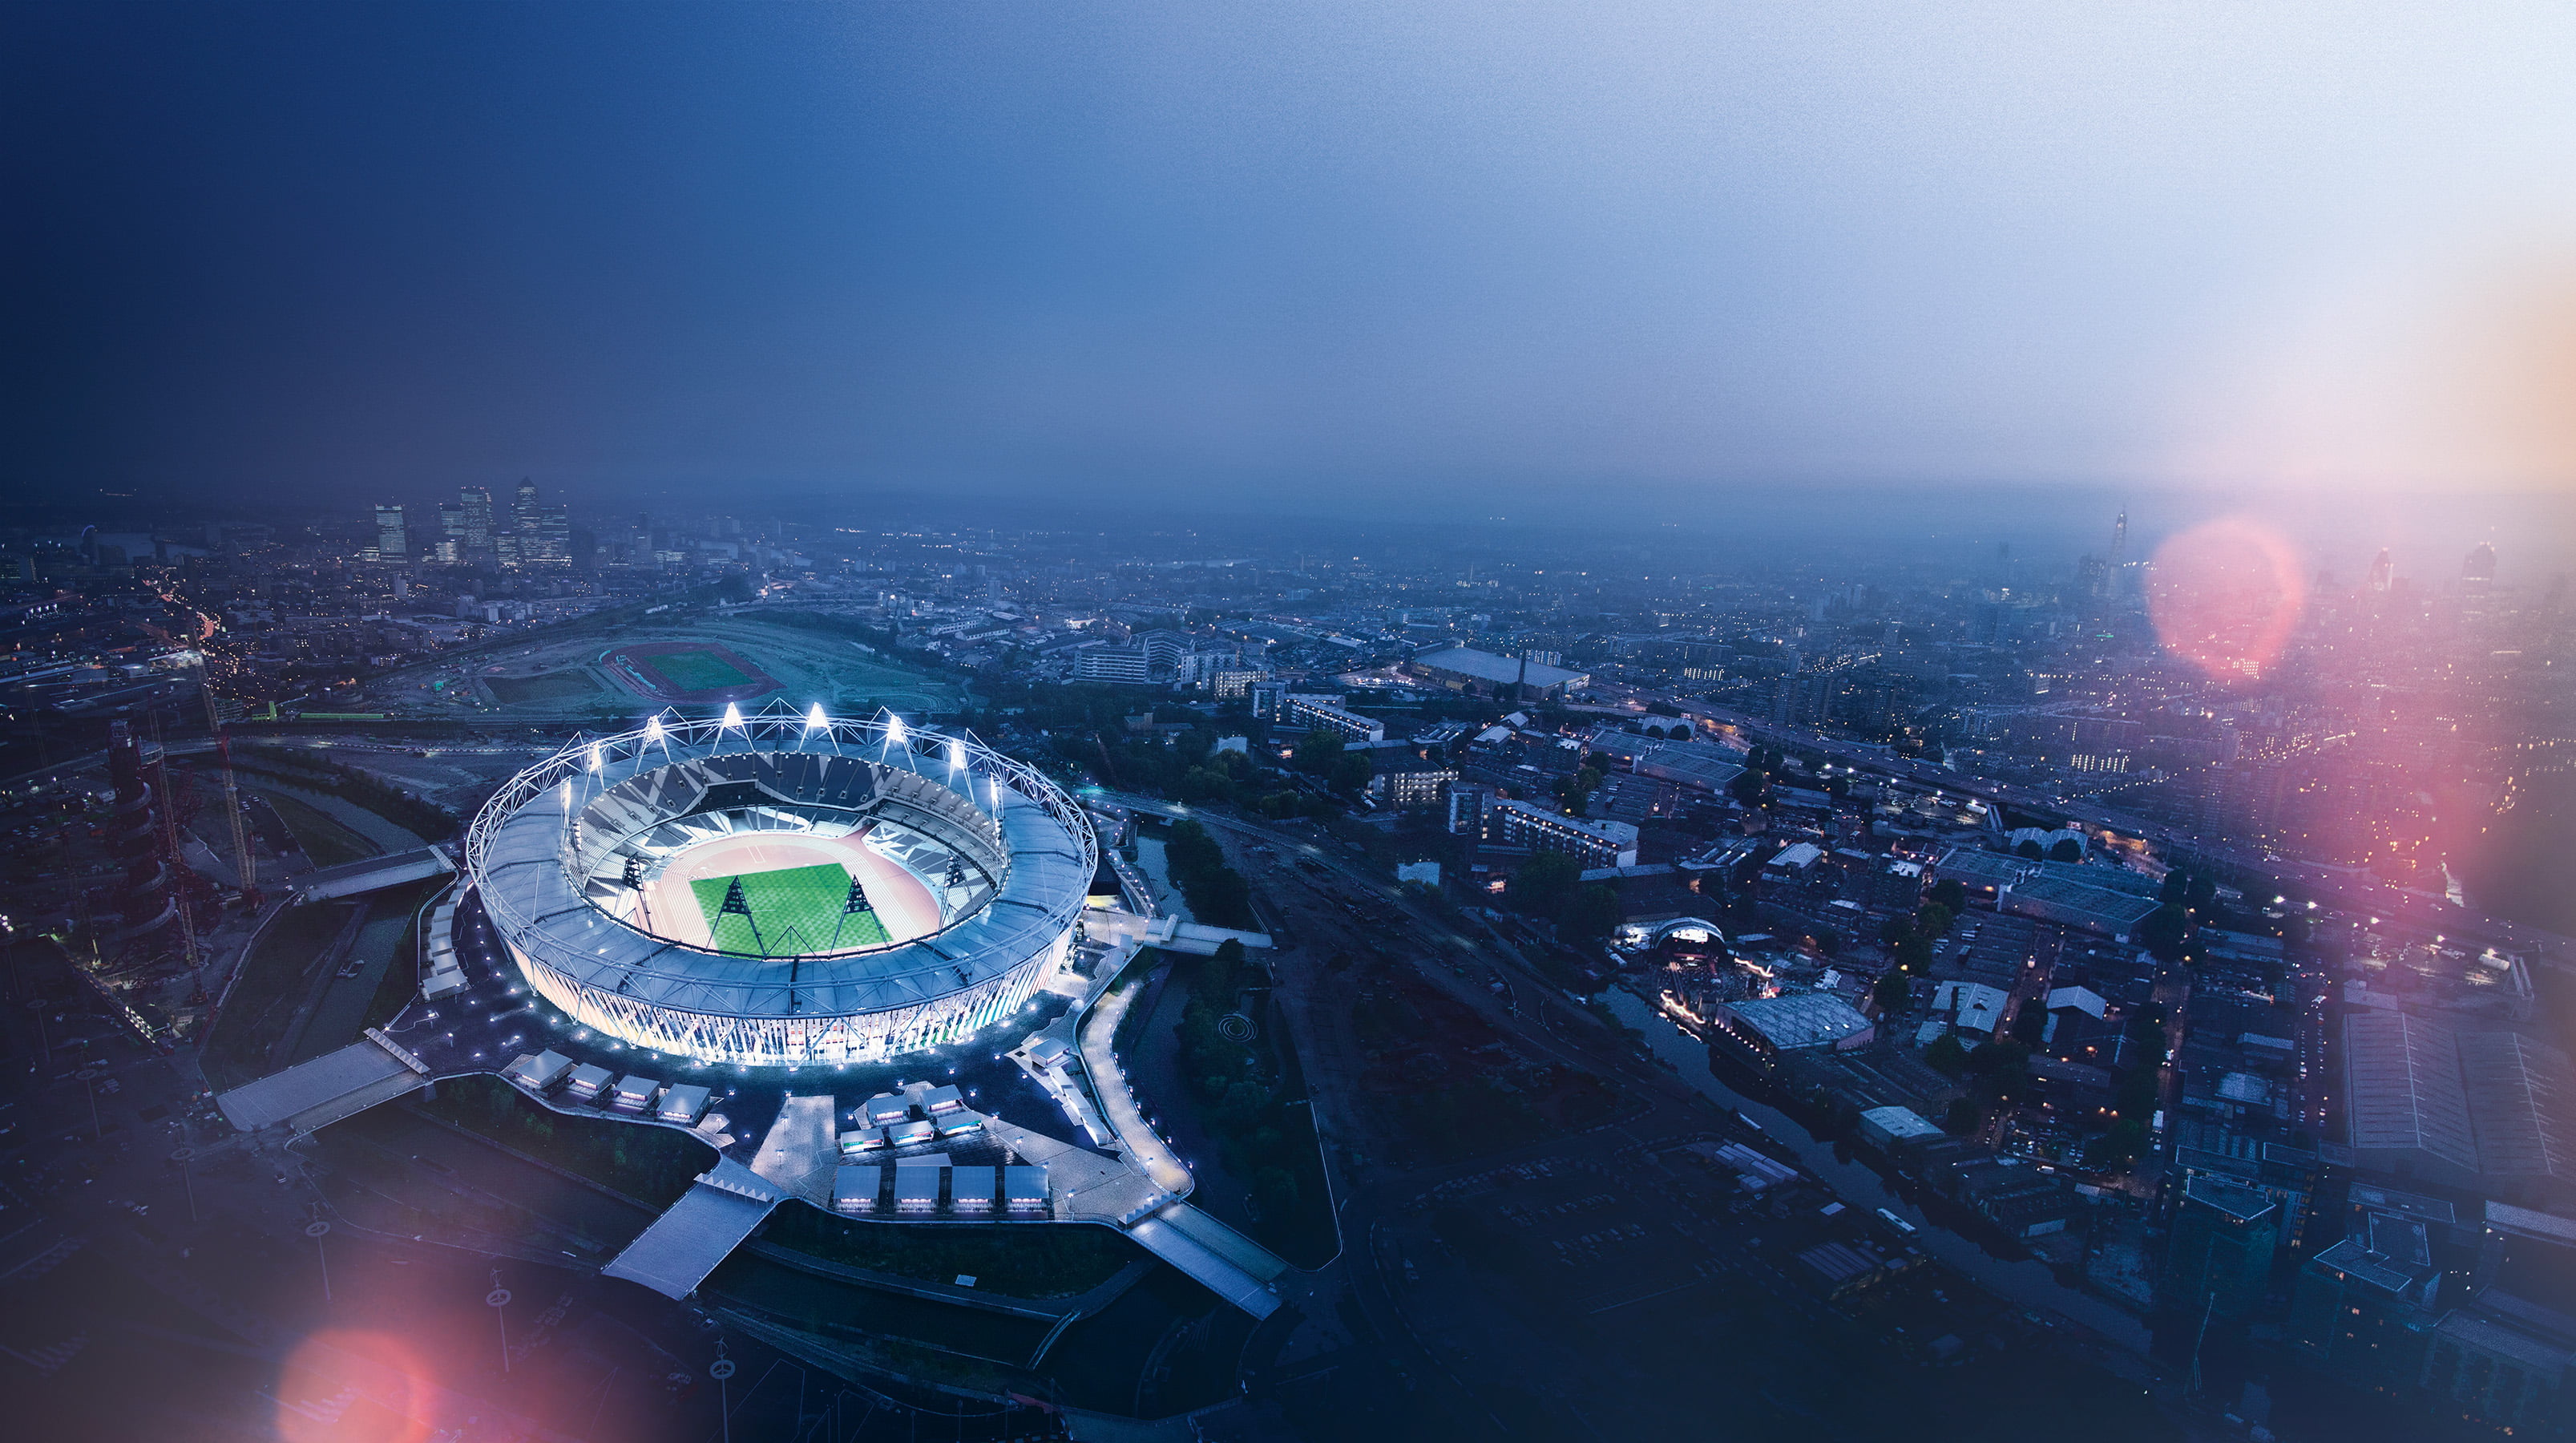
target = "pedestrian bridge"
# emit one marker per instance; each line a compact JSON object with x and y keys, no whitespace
{"x":312,"y":1095}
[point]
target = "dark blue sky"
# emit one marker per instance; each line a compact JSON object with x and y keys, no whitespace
{"x":1366,"y":250}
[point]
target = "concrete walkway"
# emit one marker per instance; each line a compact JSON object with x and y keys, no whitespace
{"x":1117,"y":1100}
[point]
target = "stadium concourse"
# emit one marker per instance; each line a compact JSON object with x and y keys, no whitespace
{"x":938,"y":846}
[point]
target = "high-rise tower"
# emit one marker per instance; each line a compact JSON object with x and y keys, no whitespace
{"x":393,"y":539}
{"x":474,"y":506}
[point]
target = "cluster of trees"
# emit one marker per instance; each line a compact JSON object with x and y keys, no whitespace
{"x":2133,"y":1095}
{"x":1996,"y":1073}
{"x":1909,"y":940}
{"x":650,"y":1164}
{"x":1217,"y":893}
{"x":298,"y":767}
{"x":2064,"y":849}
{"x":1239,"y":1100}
{"x":2185,"y":899}
{"x":1571,"y":791}
{"x":1551,"y":885}
{"x":1321,"y":755}
{"x":1753,"y":785}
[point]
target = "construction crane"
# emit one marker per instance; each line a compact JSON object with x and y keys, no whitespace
{"x":173,"y":864}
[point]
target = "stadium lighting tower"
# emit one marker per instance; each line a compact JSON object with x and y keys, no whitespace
{"x":594,"y":756}
{"x":956,"y":755}
{"x":732,"y":718}
{"x":815,"y":721}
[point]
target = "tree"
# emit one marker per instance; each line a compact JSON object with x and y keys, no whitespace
{"x":1351,"y":772}
{"x":1950,"y":892}
{"x":1747,"y":787}
{"x":2118,"y":1147}
{"x":2030,"y":1025}
{"x":1546,"y":882}
{"x":1592,"y":912}
{"x":2027,"y":847}
{"x":2201,"y":893}
{"x":1914,"y":952}
{"x":2066,"y":849}
{"x":1961,"y":1118}
{"x":1933,"y":919}
{"x":1274,"y":1192}
{"x":1318,"y":752}
{"x":1893,"y":993}
{"x":1946,"y":1056}
{"x":2164,"y":932}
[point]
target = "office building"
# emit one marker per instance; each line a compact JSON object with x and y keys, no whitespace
{"x":474,"y":518}
{"x":393,"y":539}
{"x":2219,"y":1254}
{"x":2363,"y":1307}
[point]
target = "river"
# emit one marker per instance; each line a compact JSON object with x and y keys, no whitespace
{"x":2029,"y":1283}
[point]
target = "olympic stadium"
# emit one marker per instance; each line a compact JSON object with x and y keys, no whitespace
{"x":780,"y":891}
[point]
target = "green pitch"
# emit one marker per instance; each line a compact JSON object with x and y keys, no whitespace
{"x":795,"y":909}
{"x":697,"y":671}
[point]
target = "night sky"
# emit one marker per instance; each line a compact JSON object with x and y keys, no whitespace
{"x":1373,"y":250}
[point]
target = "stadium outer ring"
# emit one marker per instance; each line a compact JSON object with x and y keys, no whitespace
{"x":524,"y":857}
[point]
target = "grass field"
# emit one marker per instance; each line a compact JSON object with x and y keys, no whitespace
{"x":793,"y":910}
{"x":697,"y":671}
{"x":553,"y":686}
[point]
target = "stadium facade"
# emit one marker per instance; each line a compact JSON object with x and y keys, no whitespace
{"x":783,"y":891}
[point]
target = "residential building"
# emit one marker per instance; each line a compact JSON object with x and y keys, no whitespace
{"x":1595,"y":844}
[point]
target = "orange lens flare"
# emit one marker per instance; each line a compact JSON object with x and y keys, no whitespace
{"x":352,"y":1386}
{"x":2225,"y":597}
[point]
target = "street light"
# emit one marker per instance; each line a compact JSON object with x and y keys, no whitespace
{"x":317,"y":1230}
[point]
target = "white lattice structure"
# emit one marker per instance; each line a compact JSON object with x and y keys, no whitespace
{"x":566,"y":856}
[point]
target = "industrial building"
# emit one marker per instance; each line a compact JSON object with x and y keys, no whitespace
{"x":1485,"y":674}
{"x":1762,"y":1032}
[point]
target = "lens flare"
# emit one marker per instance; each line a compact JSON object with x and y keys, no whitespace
{"x":352,"y":1386}
{"x":2225,"y":597}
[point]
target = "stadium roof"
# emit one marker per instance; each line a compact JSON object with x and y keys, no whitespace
{"x":523,"y":877}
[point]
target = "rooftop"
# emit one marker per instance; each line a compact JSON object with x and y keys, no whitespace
{"x":1485,"y":666}
{"x":1801,"y":1019}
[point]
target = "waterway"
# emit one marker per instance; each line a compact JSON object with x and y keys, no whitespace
{"x":2028,"y":1283}
{"x":1158,"y":875}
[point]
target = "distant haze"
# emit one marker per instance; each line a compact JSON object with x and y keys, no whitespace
{"x":1692,"y":259}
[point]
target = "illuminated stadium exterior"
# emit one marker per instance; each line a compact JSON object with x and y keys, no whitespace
{"x":782,"y":891}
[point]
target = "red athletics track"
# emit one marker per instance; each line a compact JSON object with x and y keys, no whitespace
{"x":633,"y":666}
